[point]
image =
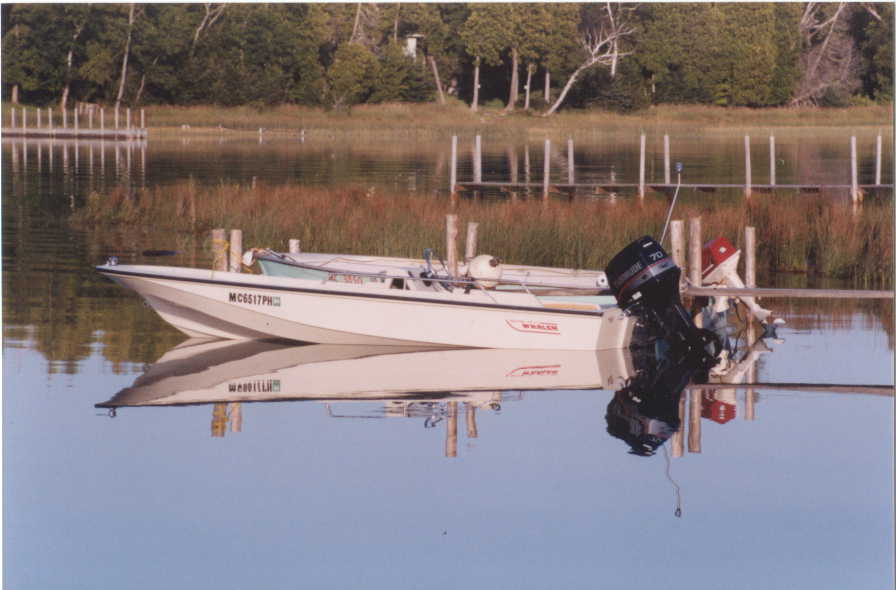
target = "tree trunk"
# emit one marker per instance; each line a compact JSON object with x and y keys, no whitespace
{"x":357,"y":21}
{"x":475,"y":106}
{"x":529,"y":69}
{"x":68,"y":61}
{"x":514,"y":80}
{"x":124,"y":60}
{"x":547,"y":86}
{"x":565,"y":91}
{"x":435,"y":74}
{"x":15,"y":94}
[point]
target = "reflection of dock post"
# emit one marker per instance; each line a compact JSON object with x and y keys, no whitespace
{"x":547,"y":169}
{"x":748,"y":171}
{"x":678,"y":437}
{"x":451,"y":431}
{"x":513,"y":166}
{"x":750,"y":395}
{"x":527,"y":169}
{"x":696,"y":403}
{"x":236,"y":417}
{"x":695,"y":261}
{"x":219,"y":419}
{"x":470,"y":418}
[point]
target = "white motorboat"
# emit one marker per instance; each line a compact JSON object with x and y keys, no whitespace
{"x":394,"y":310}
{"x":215,"y":371}
{"x":421,"y":309}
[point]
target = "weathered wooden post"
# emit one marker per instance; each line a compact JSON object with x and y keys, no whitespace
{"x":37,"y":111}
{"x":128,"y":119}
{"x":219,"y":249}
{"x":676,"y":234}
{"x":571,"y":166}
{"x":527,"y":169}
{"x":877,"y":160}
{"x":451,"y":431}
{"x":854,"y":170}
{"x":472,"y":431}
{"x":90,"y":118}
{"x":667,"y":168}
{"x":295,"y":246}
{"x":750,"y":256}
{"x":12,"y":114}
{"x":24,"y":119}
{"x":453,"y":180}
{"x":236,"y":417}
{"x":236,"y":250}
{"x":477,"y":160}
{"x":470,"y":245}
{"x":50,"y":118}
{"x":772,"y":180}
{"x":143,"y":119}
{"x":451,"y":242}
{"x":748,"y":170}
{"x":696,"y":410}
{"x":695,"y":254}
{"x":102,"y":119}
{"x":219,"y":419}
{"x":75,"y":116}
{"x":116,"y":116}
{"x":65,"y":118}
{"x":642,"y":163}
{"x":546,"y":181}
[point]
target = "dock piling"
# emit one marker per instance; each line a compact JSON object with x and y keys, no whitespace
{"x":472,"y":431}
{"x":570,"y":159}
{"x":877,"y":160}
{"x":472,"y":238}
{"x":667,"y":170}
{"x":236,"y":250}
{"x":750,"y":256}
{"x":219,"y":249}
{"x":295,"y":246}
{"x":65,"y":118}
{"x":748,"y":171}
{"x":695,"y":255}
{"x":477,"y":159}
{"x":453,"y":181}
{"x":854,"y":170}
{"x":451,"y":242}
{"x":696,"y":409}
{"x":12,"y":114}
{"x":676,"y":235}
{"x":772,"y":180}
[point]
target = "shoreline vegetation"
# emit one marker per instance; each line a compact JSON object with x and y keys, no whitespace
{"x":817,"y":236}
{"x":455,"y":117}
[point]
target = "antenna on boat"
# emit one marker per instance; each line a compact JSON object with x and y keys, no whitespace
{"x":672,"y":481}
{"x":678,"y":168}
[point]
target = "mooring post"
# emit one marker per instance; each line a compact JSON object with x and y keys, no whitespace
{"x":37,"y":111}
{"x":12,"y":113}
{"x":102,"y":119}
{"x":667,"y":168}
{"x":570,"y":158}
{"x":295,"y":246}
{"x":472,"y":431}
{"x":748,"y":171}
{"x":877,"y":160}
{"x":750,"y":256}
{"x":696,"y":410}
{"x":90,"y":119}
{"x":470,"y":245}
{"x":65,"y":118}
{"x":142,"y":118}
{"x":676,"y":235}
{"x":772,"y":180}
{"x":854,"y":170}
{"x":642,"y":163}
{"x":451,"y":243}
{"x":236,"y":417}
{"x":547,"y":169}
{"x":453,"y":180}
{"x":219,"y":249}
{"x":24,"y":118}
{"x":75,"y":116}
{"x":477,"y":160}
{"x":128,"y":119}
{"x":236,"y":250}
{"x":695,"y":255}
{"x":116,"y":116}
{"x":50,"y":118}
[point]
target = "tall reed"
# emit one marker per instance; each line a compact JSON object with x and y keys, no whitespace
{"x":808,"y":235}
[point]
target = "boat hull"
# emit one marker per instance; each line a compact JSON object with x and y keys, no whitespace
{"x":240,"y":306}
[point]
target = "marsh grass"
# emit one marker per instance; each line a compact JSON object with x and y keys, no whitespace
{"x":816,"y":236}
{"x":456,"y":117}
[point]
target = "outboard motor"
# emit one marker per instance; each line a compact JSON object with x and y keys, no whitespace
{"x":644,"y":279}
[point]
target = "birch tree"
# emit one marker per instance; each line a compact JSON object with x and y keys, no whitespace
{"x":600,"y":42}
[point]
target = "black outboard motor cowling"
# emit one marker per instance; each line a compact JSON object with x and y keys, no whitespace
{"x":644,"y":279}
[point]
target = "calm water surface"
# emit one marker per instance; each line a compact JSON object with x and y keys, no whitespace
{"x":792,"y":487}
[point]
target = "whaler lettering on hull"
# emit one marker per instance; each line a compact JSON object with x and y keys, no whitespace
{"x":535,"y":371}
{"x":536,"y":327}
{"x":257,"y":386}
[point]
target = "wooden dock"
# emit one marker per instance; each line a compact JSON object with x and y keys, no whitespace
{"x":621,"y":187}
{"x":120,"y":134}
{"x":41,"y":124}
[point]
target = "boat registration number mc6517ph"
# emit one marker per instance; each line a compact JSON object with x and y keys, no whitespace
{"x":253,"y":298}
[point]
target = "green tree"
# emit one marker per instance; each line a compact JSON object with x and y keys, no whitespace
{"x":485,"y":34}
{"x":351,"y":75}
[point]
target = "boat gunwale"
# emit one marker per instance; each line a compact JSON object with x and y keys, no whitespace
{"x":112,"y":270}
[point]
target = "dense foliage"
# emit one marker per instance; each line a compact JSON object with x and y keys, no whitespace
{"x":739,"y":54}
